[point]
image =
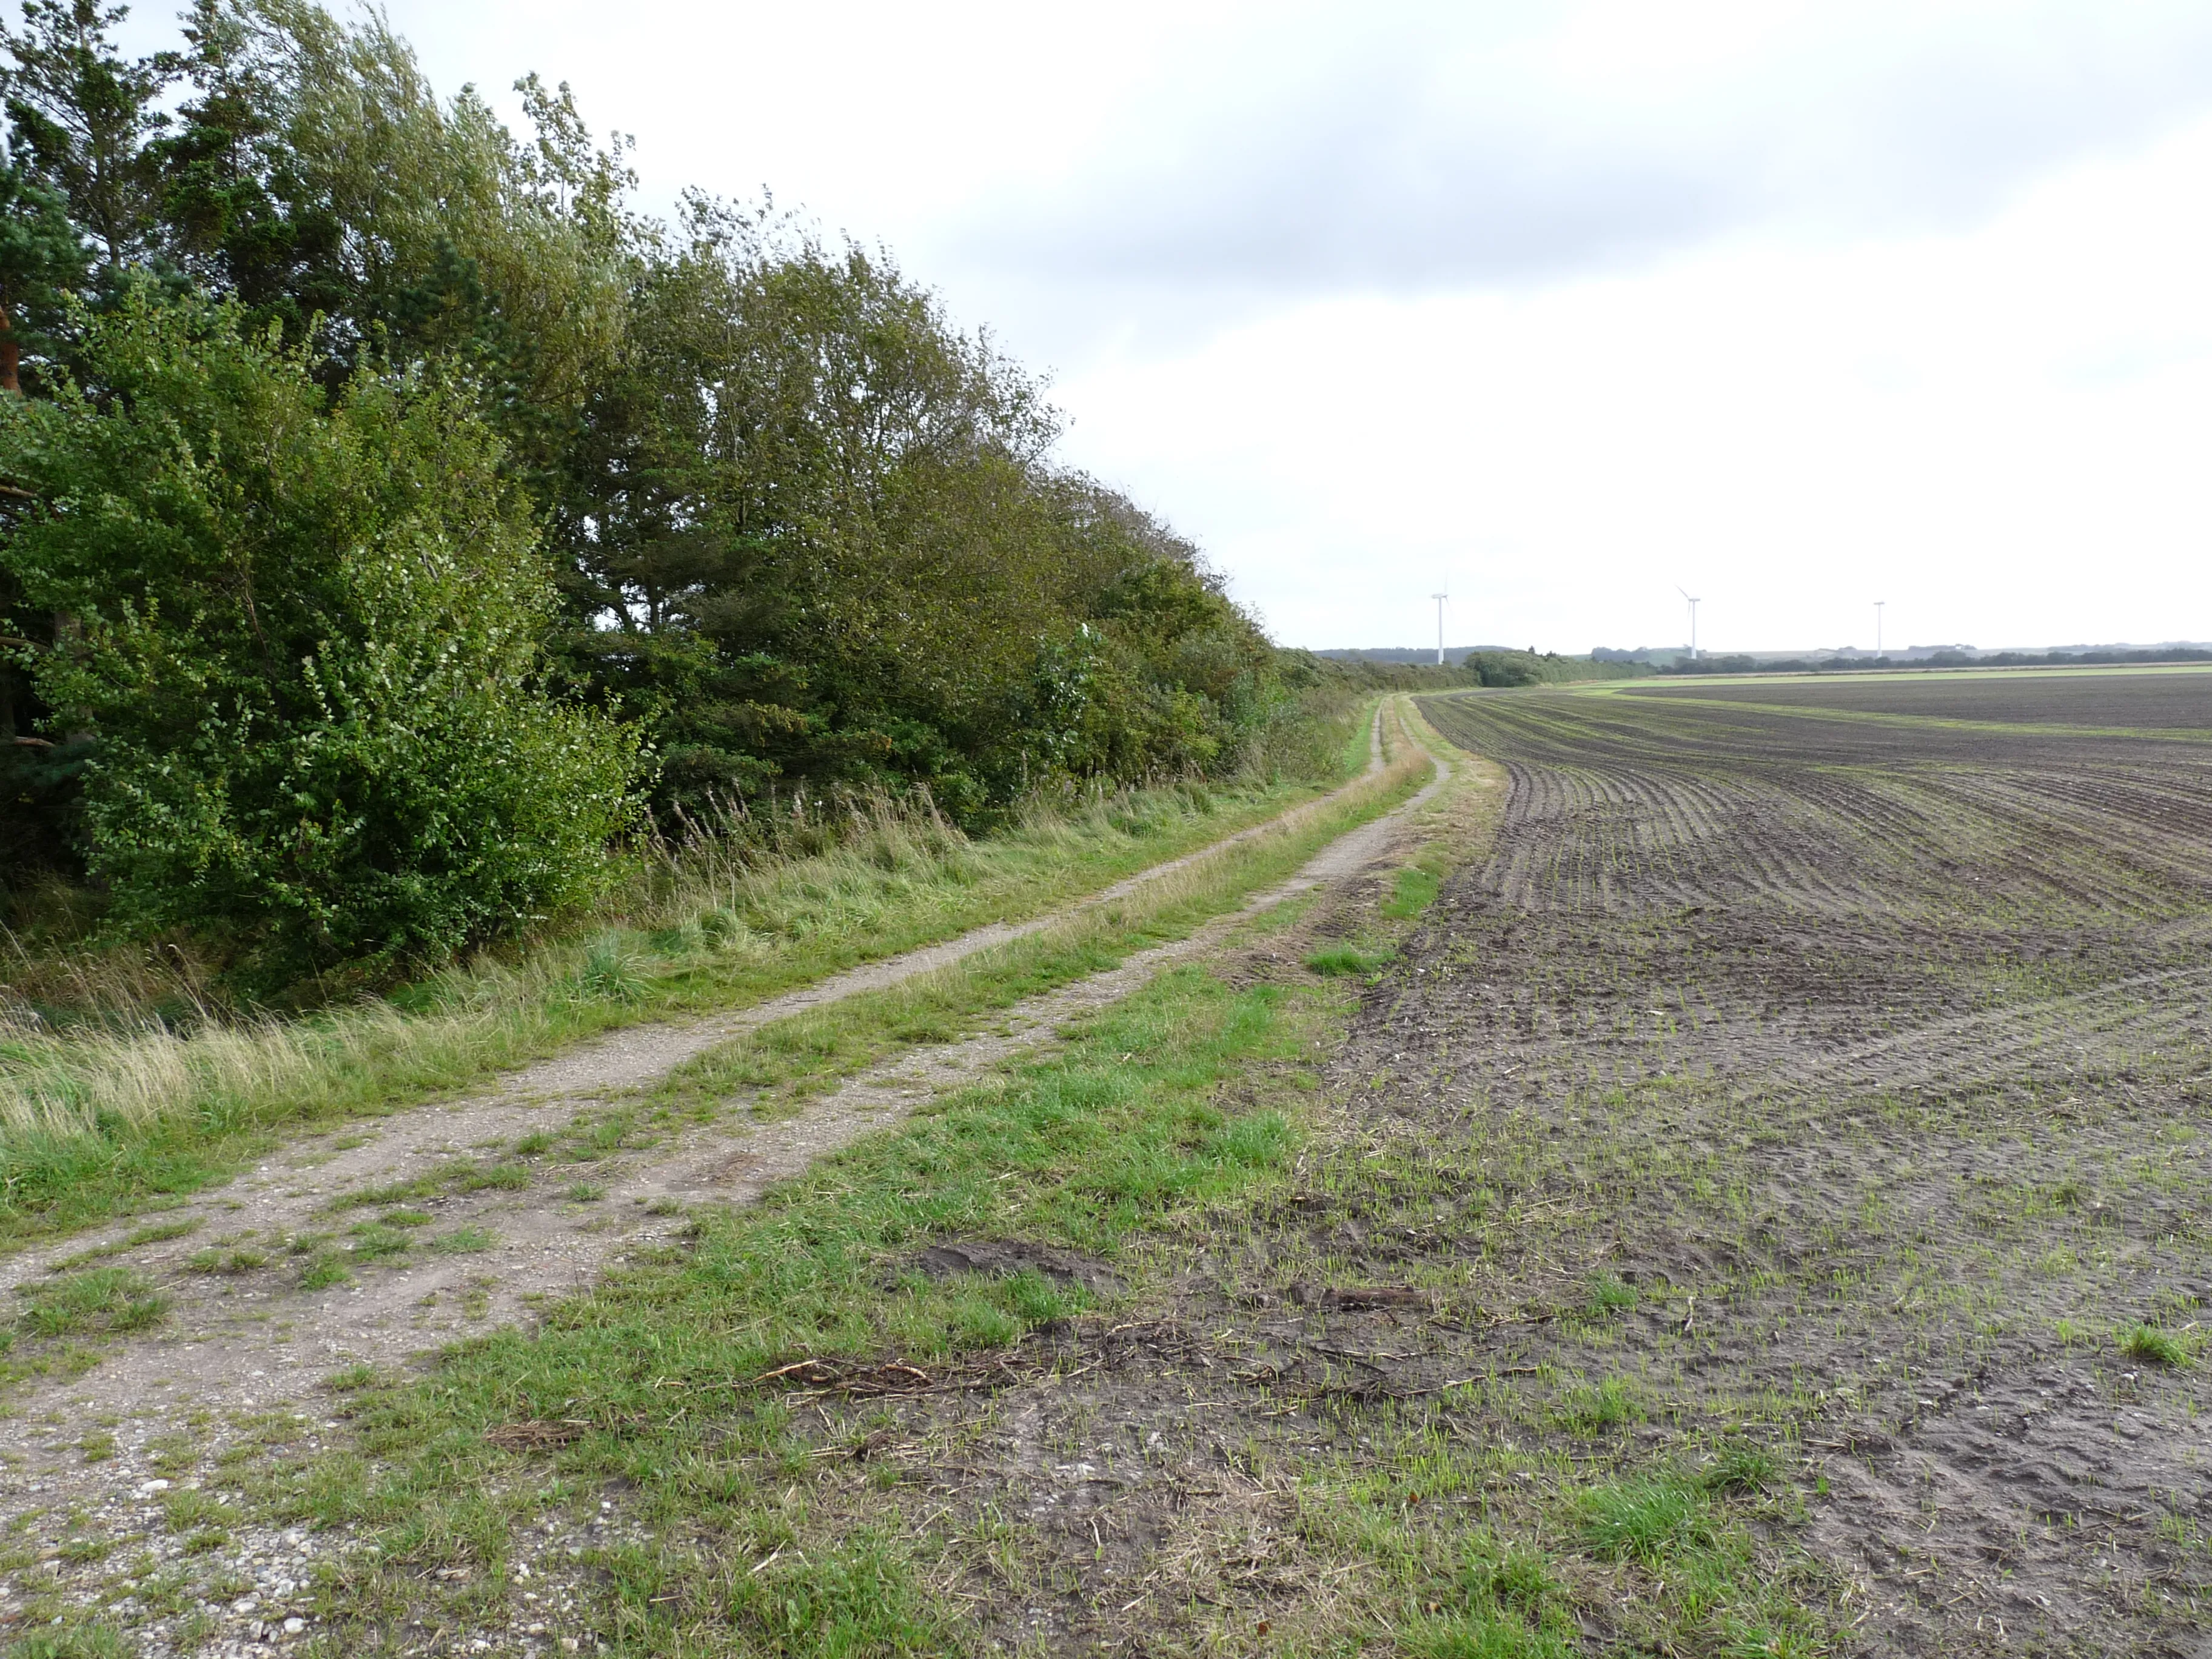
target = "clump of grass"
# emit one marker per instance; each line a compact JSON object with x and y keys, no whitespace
{"x":1607,"y":1405}
{"x":405,"y":1218}
{"x":1605,"y":1295}
{"x":611,"y":972}
{"x":99,"y":1301}
{"x":184,"y":1509}
{"x":322,"y":1270}
{"x":463,"y":1241}
{"x":1739,"y":1468}
{"x":1341,"y":960}
{"x":1643,"y":1520}
{"x":2158,"y":1347}
{"x":372,"y":1241}
{"x":1415,"y":891}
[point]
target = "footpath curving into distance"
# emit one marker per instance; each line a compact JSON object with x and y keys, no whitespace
{"x":251,"y":1338}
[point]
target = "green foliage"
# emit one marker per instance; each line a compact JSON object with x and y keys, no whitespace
{"x":813,"y":528}
{"x":1338,"y":960}
{"x":1740,"y":1467}
{"x":2158,"y":1347}
{"x":98,"y":1300}
{"x":307,"y":634}
{"x":281,"y":637}
{"x":1645,"y":1519}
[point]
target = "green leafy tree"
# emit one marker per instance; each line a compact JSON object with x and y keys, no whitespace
{"x":82,"y":117}
{"x":308,"y":649}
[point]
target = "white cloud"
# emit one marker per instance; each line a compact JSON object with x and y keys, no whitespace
{"x":1801,"y":304}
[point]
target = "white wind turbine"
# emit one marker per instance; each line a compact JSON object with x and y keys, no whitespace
{"x":1686,"y":594}
{"x":1440,"y":598}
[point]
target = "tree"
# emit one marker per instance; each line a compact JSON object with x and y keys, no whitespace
{"x":82,"y":117}
{"x":42,"y":262}
{"x":310,"y":648}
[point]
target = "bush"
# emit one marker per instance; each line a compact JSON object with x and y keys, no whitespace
{"x":302,"y":632}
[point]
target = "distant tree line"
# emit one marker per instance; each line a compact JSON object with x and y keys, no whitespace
{"x":1400,"y":671}
{"x":392,"y":517}
{"x":1744,"y":665}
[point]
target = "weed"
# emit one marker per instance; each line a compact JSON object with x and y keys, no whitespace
{"x":323,"y":1269}
{"x":2158,"y":1347}
{"x":1344,"y":960}
{"x":583,"y":1192}
{"x":463,"y":1241}
{"x":1739,"y":1468}
{"x":1643,"y":1519}
{"x":101,"y":1300}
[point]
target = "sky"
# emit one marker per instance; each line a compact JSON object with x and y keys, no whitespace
{"x":1559,"y":308}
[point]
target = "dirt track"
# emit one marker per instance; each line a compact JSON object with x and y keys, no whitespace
{"x":241,"y":1356}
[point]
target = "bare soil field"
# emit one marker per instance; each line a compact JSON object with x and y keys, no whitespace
{"x":1763,"y":1210}
{"x":2172,"y":700}
{"x":1889,"y":1045}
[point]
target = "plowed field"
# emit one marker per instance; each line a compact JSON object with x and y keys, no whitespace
{"x":1867,"y":1043}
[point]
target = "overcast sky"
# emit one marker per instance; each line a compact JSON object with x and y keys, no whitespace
{"x":1555,"y":305}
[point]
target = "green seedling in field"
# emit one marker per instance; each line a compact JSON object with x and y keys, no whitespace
{"x":1740,"y":1469}
{"x":1607,"y":1405}
{"x":2158,"y":1347}
{"x":1607,"y":1296}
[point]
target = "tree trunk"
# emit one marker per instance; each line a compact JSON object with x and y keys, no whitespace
{"x":10,"y":354}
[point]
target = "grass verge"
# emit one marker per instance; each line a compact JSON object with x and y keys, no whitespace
{"x":94,"y":1121}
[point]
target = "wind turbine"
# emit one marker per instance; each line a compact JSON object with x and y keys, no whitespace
{"x":1878,"y":604}
{"x":1686,"y":594}
{"x":1440,"y":598}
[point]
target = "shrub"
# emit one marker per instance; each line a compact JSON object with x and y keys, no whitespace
{"x":303,"y":633}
